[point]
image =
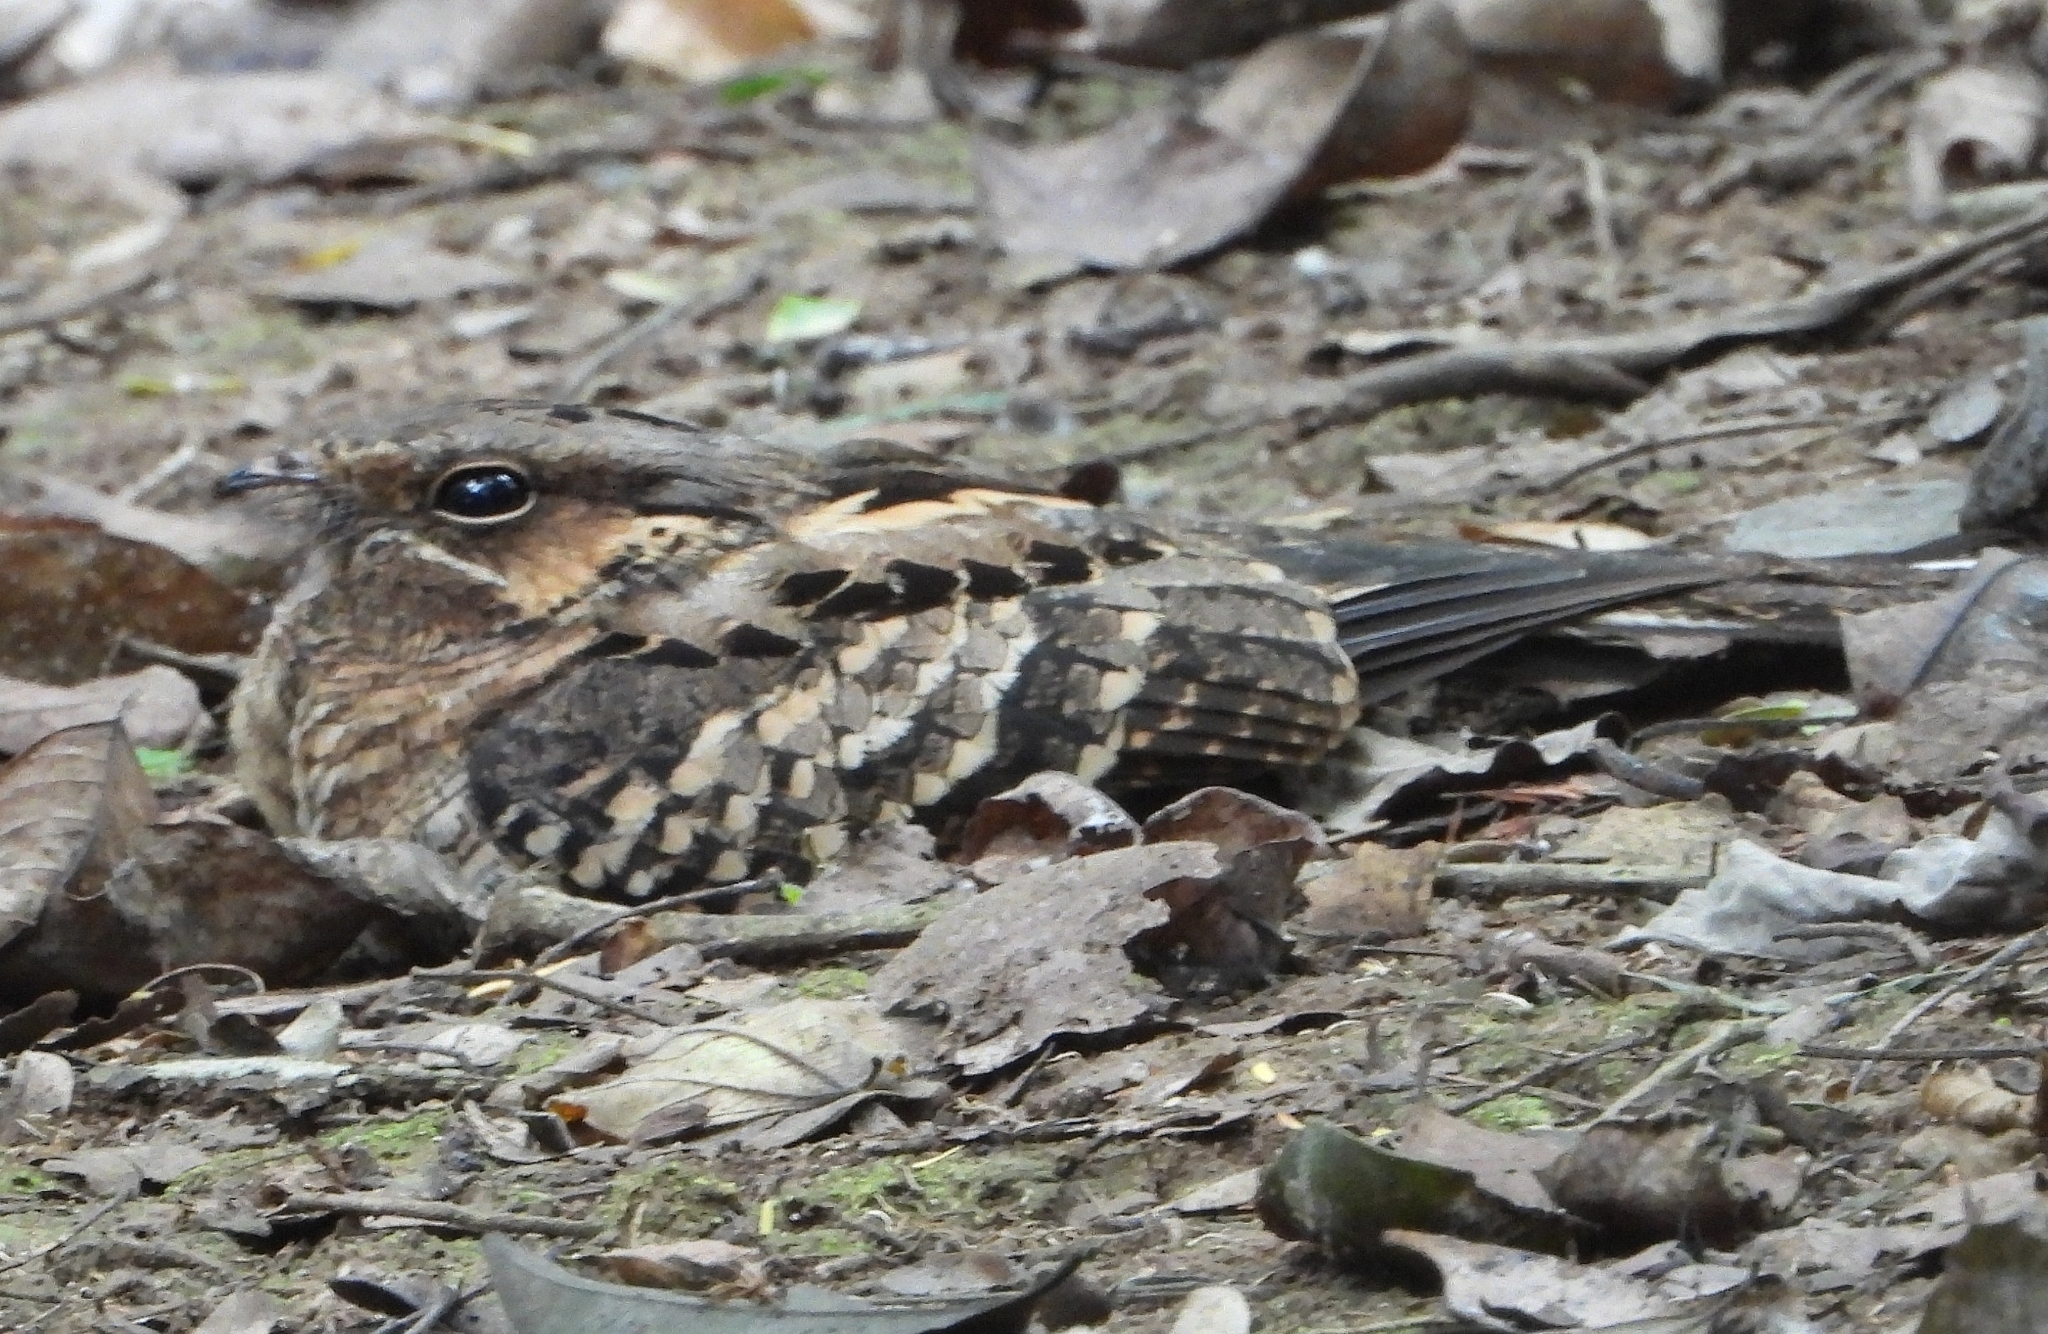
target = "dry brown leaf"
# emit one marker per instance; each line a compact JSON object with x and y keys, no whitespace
{"x":1646,"y":1181}
{"x":703,"y":40}
{"x":1301,"y":114}
{"x":1377,"y":893}
{"x":395,"y":272}
{"x":230,"y":544}
{"x":1048,"y":955}
{"x":70,"y":591}
{"x":1973,"y":1099}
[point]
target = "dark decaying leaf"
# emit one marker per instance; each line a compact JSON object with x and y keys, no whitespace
{"x":98,"y":896}
{"x":36,"y":1020}
{"x":1643,"y":1182}
{"x":414,"y":884}
{"x":1303,"y":113}
{"x":1402,"y":779}
{"x":1224,"y":930}
{"x":1341,"y":1192}
{"x":1498,"y":1287}
{"x":209,"y":891}
{"x":393,"y":1295}
{"x":1994,"y":1279}
{"x":69,"y":592}
{"x":543,"y":1298}
{"x":1047,"y":951}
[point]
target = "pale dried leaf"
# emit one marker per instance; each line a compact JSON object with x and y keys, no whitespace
{"x":159,"y":707}
{"x":1971,"y":125}
{"x":69,"y":808}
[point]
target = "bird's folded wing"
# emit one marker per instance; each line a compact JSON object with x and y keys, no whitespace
{"x":1408,"y":614}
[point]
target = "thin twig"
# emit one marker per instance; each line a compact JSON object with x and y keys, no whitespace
{"x":1547,"y":1071}
{"x":695,"y":309}
{"x":1724,"y":431}
{"x":566,"y":946}
{"x":58,"y":312}
{"x":1600,"y":213}
{"x":173,"y":463}
{"x":377,"y":1204}
{"x":530,"y":977}
{"x":2006,"y":953}
{"x":1726,"y":1036}
{"x":1892,"y":933}
{"x":1616,"y":364}
{"x":1921,"y":1053}
{"x":1987,"y":573}
{"x":73,"y":1235}
{"x":840,"y":1088}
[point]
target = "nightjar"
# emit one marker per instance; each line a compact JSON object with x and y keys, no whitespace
{"x":653,"y":656}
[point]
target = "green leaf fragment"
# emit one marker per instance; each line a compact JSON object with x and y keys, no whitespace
{"x":161,"y":766}
{"x":804,"y":319}
{"x":745,"y":88}
{"x":640,"y":285}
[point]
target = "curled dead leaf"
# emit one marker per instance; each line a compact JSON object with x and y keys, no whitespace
{"x":1971,"y":125}
{"x":1049,"y":816}
{"x":1303,"y":113}
{"x":1973,"y":1099}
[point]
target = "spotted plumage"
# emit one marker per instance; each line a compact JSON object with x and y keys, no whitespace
{"x":651,"y":656}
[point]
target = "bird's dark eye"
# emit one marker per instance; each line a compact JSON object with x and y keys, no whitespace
{"x":483,"y":493}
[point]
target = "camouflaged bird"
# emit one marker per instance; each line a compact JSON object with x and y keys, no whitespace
{"x":653,"y":656}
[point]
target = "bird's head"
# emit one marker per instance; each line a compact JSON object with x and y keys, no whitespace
{"x":529,"y":504}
